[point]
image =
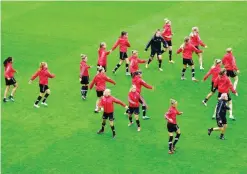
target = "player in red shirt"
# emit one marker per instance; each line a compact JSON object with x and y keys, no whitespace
{"x":84,"y":76}
{"x":196,"y":41}
{"x":214,"y":72}
{"x":134,"y":97}
{"x":100,"y":82}
{"x":102,"y":55}
{"x":44,"y":75}
{"x":107,"y":105}
{"x":123,"y":44}
{"x":134,"y":62}
{"x":167,"y":35}
{"x":187,"y":49}
{"x":230,"y":65}
{"x":9,"y":73}
{"x":172,"y":126}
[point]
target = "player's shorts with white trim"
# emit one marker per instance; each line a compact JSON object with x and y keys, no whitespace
{"x":228,"y":96}
{"x":84,"y":80}
{"x":172,"y":127}
{"x":11,"y":81}
{"x":134,"y":110}
{"x":221,"y":121}
{"x":43,"y":88}
{"x":188,"y":62}
{"x":99,"y":93}
{"x":213,"y":89}
{"x":123,"y":55}
{"x":157,"y":52}
{"x":169,"y":43}
{"x":231,"y":73}
{"x":108,"y":116}
{"x":102,"y":66}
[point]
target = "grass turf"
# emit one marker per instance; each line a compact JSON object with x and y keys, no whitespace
{"x":62,"y":139}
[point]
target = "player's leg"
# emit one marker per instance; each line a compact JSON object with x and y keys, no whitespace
{"x":130,"y":112}
{"x":235,"y":82}
{"x":136,"y":113}
{"x":231,"y":109}
{"x":178,"y":133}
{"x":159,"y":56}
{"x":193,"y":70}
{"x":144,"y":110}
{"x":47,"y":93}
{"x":184,"y":69}
{"x":102,"y":125}
{"x":127,"y":66}
{"x":170,"y":51}
{"x":6,"y":93}
{"x":222,"y":137}
{"x":112,"y":127}
{"x":15,"y":84}
{"x":150,"y":58}
{"x":200,"y":61}
{"x":121,"y":57}
{"x":36,"y":104}
{"x":170,"y":145}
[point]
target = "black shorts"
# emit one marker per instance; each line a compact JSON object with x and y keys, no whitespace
{"x":157,"y":52}
{"x":231,"y":73}
{"x":172,"y":127}
{"x":84,"y":80}
{"x":134,"y":110}
{"x":43,"y":88}
{"x":123,"y":55}
{"x":102,"y":66}
{"x":108,"y":115}
{"x":99,"y":93}
{"x":221,"y":121}
{"x":213,"y":89}
{"x":169,"y":42}
{"x":228,"y":95}
{"x":11,"y":81}
{"x":188,"y":62}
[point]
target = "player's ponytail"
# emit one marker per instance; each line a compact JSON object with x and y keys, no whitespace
{"x":6,"y":61}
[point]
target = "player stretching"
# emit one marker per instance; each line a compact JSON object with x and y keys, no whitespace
{"x":134,"y":62}
{"x":214,"y":71}
{"x":107,"y":104}
{"x":9,"y":73}
{"x":230,"y":65}
{"x":196,"y":41}
{"x":223,"y":83}
{"x":155,"y":43}
{"x":187,"y":49}
{"x":134,"y":98}
{"x":102,"y":56}
{"x":100,"y":82}
{"x":167,"y":35}
{"x":172,"y":126}
{"x":221,"y":120}
{"x":44,"y":75}
{"x":123,"y":44}
{"x":84,"y":76}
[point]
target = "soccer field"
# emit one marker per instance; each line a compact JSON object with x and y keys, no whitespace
{"x":62,"y":139}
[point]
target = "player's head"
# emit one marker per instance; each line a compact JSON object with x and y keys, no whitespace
{"x":138,"y":73}
{"x":173,"y":102}
{"x":102,"y":45}
{"x":217,"y":62}
{"x":84,"y":57}
{"x":133,"y":88}
{"x":186,"y":39}
{"x":229,"y":50}
{"x":157,"y":33}
{"x":222,"y":72}
{"x":195,"y":29}
{"x":124,"y":33}
{"x":134,"y":52}
{"x":107,"y":92}
{"x":8,"y":60}
{"x":224,"y":96}
{"x":101,"y":69}
{"x":43,"y":65}
{"x":167,"y":21}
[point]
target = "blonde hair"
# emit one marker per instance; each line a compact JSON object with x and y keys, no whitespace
{"x":42,"y":65}
{"x":83,"y":56}
{"x":134,"y":51}
{"x":166,"y":20}
{"x":107,"y":91}
{"x":216,"y":62}
{"x":173,"y":101}
{"x":101,"y":44}
{"x":228,"y":50}
{"x":131,"y":88}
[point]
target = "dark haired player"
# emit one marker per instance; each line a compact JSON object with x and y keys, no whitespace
{"x":84,"y":76}
{"x":155,"y":44}
{"x":123,"y":44}
{"x":102,"y":56}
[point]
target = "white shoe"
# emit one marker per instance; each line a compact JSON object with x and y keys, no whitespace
{"x":44,"y":103}
{"x":160,"y":69}
{"x":232,"y":117}
{"x":203,"y":102}
{"x":127,"y":74}
{"x":138,"y":129}
{"x":201,"y":68}
{"x":183,"y":78}
{"x":145,"y":117}
{"x":36,"y":106}
{"x":130,"y":124}
{"x":171,"y":61}
{"x":146,"y":66}
{"x":194,"y":79}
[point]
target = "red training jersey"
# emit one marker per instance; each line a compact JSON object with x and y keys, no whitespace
{"x":214,"y":71}
{"x":44,"y":75}
{"x":134,"y":98}
{"x":195,"y":39}
{"x":100,"y":82}
{"x":84,"y":68}
{"x":138,"y":82}
{"x":9,"y":71}
{"x":167,"y":32}
{"x":108,"y":103}
{"x":224,"y":84}
{"x":172,"y":114}
{"x":102,"y":56}
{"x":134,"y":61}
{"x":229,"y":62}
{"x":187,"y":50}
{"x":123,"y":44}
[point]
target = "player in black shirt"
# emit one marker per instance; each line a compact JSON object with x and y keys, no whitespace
{"x":155,"y":44}
{"x":221,"y":110}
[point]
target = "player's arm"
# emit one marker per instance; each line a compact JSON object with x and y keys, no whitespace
{"x":231,"y":86}
{"x":141,"y":61}
{"x":115,"y":45}
{"x":92,"y":83}
{"x":207,"y":75}
{"x":35,"y":76}
{"x":127,"y":44}
{"x":167,"y":117}
{"x":7,"y":72}
{"x":143,"y":83}
{"x":180,"y":50}
{"x":48,"y":74}
{"x":216,"y":82}
{"x":143,"y":101}
{"x":165,"y":45}
{"x":201,"y":42}
{"x":148,"y":45}
{"x":196,"y":50}
{"x":119,"y":102}
{"x":82,"y":71}
{"x":108,"y":79}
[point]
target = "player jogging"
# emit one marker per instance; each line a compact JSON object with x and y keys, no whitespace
{"x":107,"y":104}
{"x":196,"y":41}
{"x":230,"y":65}
{"x":123,"y":44}
{"x":214,"y":71}
{"x":134,"y":62}
{"x":167,"y":35}
{"x":172,"y":126}
{"x":100,"y":82}
{"x":9,"y":73}
{"x":155,"y":44}
{"x":221,"y":120}
{"x":84,"y":76}
{"x":44,"y":75}
{"x":187,"y":49}
{"x":102,"y":56}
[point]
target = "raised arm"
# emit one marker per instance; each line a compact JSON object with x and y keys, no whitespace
{"x":115,"y":100}
{"x":115,"y":45}
{"x":143,"y":83}
{"x":108,"y":79}
{"x":207,"y":75}
{"x":35,"y":75}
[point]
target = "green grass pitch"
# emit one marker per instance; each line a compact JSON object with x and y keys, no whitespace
{"x":62,"y":139}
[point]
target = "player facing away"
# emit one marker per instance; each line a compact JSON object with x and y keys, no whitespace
{"x":221,"y":120}
{"x":187,"y":49}
{"x":134,"y":97}
{"x":100,"y":82}
{"x":102,"y":56}
{"x":84,"y":76}
{"x":223,"y":84}
{"x":134,"y":62}
{"x":155,"y":44}
{"x":123,"y":44}
{"x":214,"y":72}
{"x":9,"y":73}
{"x":107,"y":105}
{"x":196,"y":41}
{"x":167,"y":35}
{"x":44,"y":75}
{"x":229,"y":62}
{"x":172,"y":126}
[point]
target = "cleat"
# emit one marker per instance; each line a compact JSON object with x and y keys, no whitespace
{"x":130,"y":124}
{"x":83,"y":97}
{"x":173,"y":148}
{"x":114,"y":135}
{"x":100,"y":131}
{"x":232,"y":118}
{"x":11,"y":98}
{"x":171,"y":61}
{"x":145,"y":117}
{"x":44,"y":103}
{"x":209,"y":132}
{"x":204,"y":103}
{"x":201,"y":68}
{"x":183,"y":78}
{"x":213,"y":117}
{"x":127,"y":74}
{"x":138,"y":129}
{"x":160,"y":69}
{"x":125,"y":113}
{"x":96,"y":111}
{"x":170,"y":152}
{"x":36,"y":106}
{"x":114,"y":72}
{"x":194,"y":79}
{"x":146,"y":65}
{"x":222,"y":138}
{"x":5,"y":100}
